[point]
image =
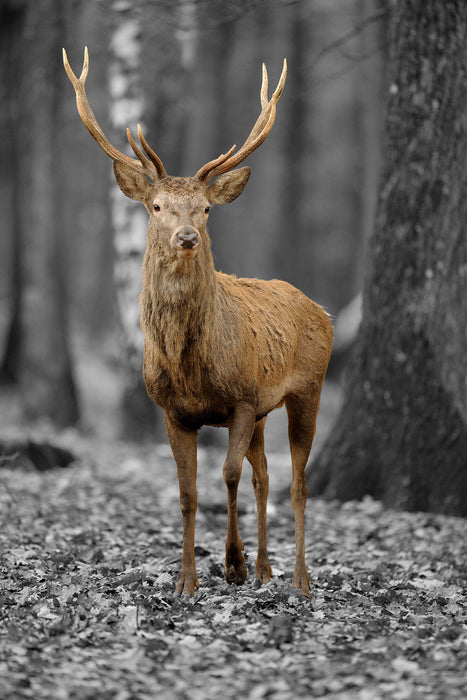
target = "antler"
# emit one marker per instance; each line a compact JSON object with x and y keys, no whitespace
{"x":148,"y":162}
{"x":258,"y":134}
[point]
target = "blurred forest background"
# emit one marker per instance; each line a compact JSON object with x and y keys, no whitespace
{"x":71,"y":245}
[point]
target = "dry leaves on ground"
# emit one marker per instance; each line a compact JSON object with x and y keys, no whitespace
{"x":89,"y":561}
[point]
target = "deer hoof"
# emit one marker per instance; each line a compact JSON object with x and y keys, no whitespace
{"x":187,"y":584}
{"x":236,"y":572}
{"x":264,"y":572}
{"x":302,"y":582}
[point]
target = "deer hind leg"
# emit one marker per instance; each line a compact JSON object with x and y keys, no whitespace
{"x":302,"y":413}
{"x":240,"y":432}
{"x":183,"y":444}
{"x":260,"y":480}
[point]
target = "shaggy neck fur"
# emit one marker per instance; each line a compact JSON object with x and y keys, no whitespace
{"x":178,"y":309}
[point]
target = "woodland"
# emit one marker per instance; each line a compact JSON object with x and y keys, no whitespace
{"x":357,"y":199}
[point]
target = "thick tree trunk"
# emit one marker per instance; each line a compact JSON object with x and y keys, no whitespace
{"x":11,"y":22}
{"x":47,"y":384}
{"x":402,"y":432}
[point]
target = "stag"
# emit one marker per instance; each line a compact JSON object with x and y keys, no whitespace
{"x":219,"y":350}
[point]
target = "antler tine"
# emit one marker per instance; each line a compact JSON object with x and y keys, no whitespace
{"x":264,"y":88}
{"x":85,"y":68}
{"x":153,"y":167}
{"x":149,"y":168}
{"x":136,"y":150}
{"x":76,"y":82}
{"x":206,"y":169}
{"x":257,"y":135}
{"x":152,"y":155}
{"x":280,"y":85}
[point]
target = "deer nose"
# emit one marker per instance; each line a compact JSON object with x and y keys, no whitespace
{"x":186,"y":237}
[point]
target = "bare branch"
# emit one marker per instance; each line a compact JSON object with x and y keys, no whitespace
{"x":342,"y":40}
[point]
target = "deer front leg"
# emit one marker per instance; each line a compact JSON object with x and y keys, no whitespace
{"x":240,"y":432}
{"x":183,"y":444}
{"x":257,"y":459}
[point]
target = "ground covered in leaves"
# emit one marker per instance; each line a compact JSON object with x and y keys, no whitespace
{"x":89,"y":558}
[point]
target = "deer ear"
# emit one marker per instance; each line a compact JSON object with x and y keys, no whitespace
{"x":132,"y":183}
{"x":229,"y":186}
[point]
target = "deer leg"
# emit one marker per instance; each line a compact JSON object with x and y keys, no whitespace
{"x":240,"y":432}
{"x":260,"y":480}
{"x":183,"y":444}
{"x":302,"y":427}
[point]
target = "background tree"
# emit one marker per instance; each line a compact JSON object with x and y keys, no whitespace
{"x":189,"y":75}
{"x":37,"y":351}
{"x":402,"y":433}
{"x":128,"y":106}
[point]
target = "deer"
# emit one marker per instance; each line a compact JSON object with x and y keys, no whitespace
{"x":219,"y":350}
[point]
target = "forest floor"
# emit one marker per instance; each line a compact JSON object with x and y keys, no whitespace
{"x":89,"y":559}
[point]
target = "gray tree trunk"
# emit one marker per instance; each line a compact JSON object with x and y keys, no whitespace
{"x":45,"y":371}
{"x":402,"y":432}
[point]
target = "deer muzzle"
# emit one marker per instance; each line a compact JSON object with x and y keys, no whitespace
{"x":185,"y":239}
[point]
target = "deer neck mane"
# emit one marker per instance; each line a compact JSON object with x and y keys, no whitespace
{"x":178,"y":304}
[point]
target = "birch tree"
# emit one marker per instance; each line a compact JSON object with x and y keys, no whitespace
{"x":129,"y":221}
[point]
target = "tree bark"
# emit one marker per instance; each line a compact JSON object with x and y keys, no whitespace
{"x":402,"y":432}
{"x":45,"y":372}
{"x":11,"y":22}
{"x":139,"y":418}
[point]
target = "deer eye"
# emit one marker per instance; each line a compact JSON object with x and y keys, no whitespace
{"x":207,"y":210}
{"x":157,"y":207}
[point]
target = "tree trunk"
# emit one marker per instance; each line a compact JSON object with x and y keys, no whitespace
{"x":138,"y":414}
{"x":295,"y":265}
{"x":11,"y":22}
{"x":47,"y":384}
{"x":402,"y":432}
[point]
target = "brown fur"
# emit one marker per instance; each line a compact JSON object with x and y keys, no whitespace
{"x":222,"y":350}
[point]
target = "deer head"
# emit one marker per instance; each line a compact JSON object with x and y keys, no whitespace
{"x":178,"y":206}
